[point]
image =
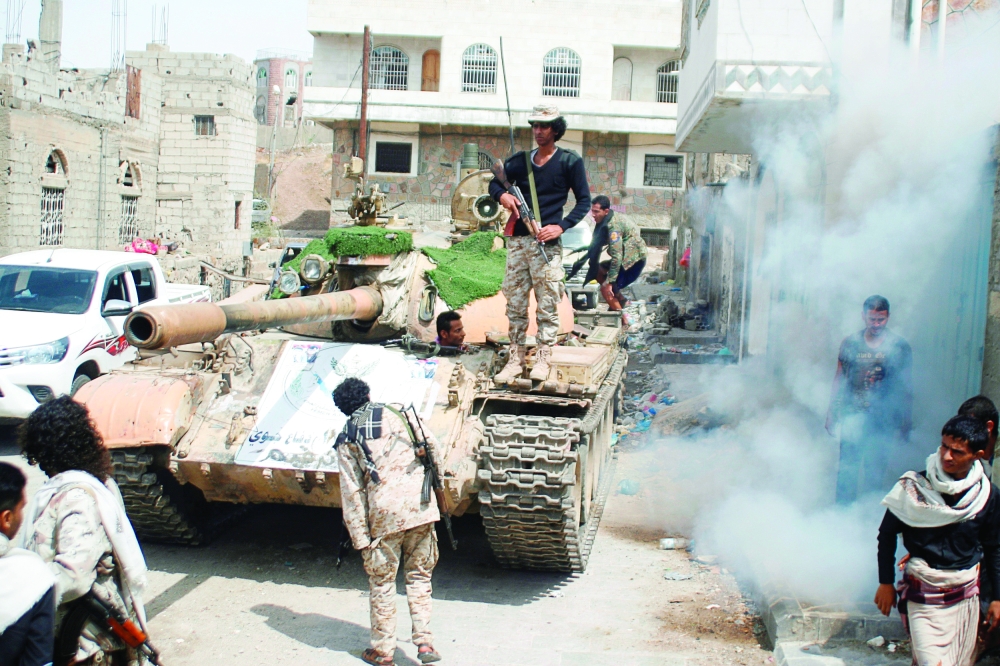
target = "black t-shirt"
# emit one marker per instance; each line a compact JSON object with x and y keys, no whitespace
{"x":877,"y":380}
{"x":553,"y":181}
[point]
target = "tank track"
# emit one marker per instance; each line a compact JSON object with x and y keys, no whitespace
{"x":528,"y":504}
{"x":153,"y":500}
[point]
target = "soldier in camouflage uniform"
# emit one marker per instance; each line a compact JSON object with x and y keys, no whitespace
{"x":555,"y":172}
{"x":76,"y":523}
{"x":380,"y":493}
{"x":627,"y":252}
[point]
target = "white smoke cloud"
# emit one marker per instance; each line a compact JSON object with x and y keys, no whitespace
{"x":881,"y":195}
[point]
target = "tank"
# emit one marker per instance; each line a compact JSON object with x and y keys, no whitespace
{"x":229,"y":404}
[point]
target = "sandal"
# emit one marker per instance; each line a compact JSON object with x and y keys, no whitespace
{"x":427,"y":654}
{"x":371,"y":656}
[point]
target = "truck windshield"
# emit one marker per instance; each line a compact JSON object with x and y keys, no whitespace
{"x":37,"y":289}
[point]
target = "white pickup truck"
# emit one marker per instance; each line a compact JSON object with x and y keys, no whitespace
{"x":61,"y":317}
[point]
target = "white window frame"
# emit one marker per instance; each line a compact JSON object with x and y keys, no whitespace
{"x":561,"y":61}
{"x":290,"y":69}
{"x":667,"y":73}
{"x":414,"y":141}
{"x":375,"y":83}
{"x":476,"y":70}
{"x":129,"y":221}
{"x":52,"y":220}
{"x":641,"y":145}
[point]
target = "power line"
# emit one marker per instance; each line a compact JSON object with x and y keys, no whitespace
{"x":816,"y":30}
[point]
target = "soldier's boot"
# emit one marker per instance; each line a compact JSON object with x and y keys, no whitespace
{"x":514,"y":367}
{"x":543,"y":357}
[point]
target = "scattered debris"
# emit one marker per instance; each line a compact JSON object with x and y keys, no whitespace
{"x":674,"y":543}
{"x":676,"y":575}
{"x":712,"y":606}
{"x":876,"y":642}
{"x":706,"y":559}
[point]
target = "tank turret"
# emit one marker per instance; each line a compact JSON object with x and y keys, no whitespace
{"x":166,"y":326}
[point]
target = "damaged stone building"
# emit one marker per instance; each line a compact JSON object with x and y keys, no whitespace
{"x":160,"y":147}
{"x":437,"y":82}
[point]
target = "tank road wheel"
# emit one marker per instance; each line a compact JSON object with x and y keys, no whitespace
{"x":160,"y":508}
{"x":537,"y":500}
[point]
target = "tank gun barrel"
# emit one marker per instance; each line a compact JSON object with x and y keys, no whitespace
{"x":165,"y":326}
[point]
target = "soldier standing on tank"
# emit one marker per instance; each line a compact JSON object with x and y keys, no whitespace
{"x":380,"y":487}
{"x":555,"y":172}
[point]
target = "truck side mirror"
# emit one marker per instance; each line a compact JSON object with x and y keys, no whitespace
{"x":116,"y":308}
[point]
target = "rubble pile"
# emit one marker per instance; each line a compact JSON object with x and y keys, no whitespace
{"x":648,"y":396}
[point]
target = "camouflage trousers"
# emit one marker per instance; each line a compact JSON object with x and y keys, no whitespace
{"x":418,"y":550}
{"x":526,"y":271}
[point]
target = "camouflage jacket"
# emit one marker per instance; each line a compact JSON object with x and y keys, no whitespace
{"x":625,"y":246}
{"x":375,"y":510}
{"x":70,"y":538}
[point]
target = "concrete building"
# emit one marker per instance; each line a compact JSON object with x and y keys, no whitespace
{"x":289,"y":71}
{"x":437,"y":82}
{"x":163,"y":148}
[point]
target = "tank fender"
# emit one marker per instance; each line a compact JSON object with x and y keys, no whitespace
{"x":132,"y":410}
{"x":460,"y":468}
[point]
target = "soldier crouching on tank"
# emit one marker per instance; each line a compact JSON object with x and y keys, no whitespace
{"x":76,"y":522}
{"x":554,"y":172}
{"x":380,"y":487}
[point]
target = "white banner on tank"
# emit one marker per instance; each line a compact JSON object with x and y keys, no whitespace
{"x":297,"y":421}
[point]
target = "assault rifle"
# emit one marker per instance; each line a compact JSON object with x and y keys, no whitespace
{"x":432,"y":479}
{"x":523,"y":209}
{"x":121,"y":626}
{"x":414,"y":345}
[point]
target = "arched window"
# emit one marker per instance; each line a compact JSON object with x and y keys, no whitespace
{"x":56,"y":163}
{"x":262,"y":76}
{"x":130,"y":175}
{"x":389,"y":68}
{"x":260,"y":110}
{"x":309,"y":78}
{"x":485,"y":160}
{"x":666,"y":81}
{"x":561,"y":73}
{"x":291,"y":79}
{"x":479,"y":69}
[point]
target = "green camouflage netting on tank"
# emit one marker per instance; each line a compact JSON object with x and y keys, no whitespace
{"x":469,"y":270}
{"x":352,"y":242}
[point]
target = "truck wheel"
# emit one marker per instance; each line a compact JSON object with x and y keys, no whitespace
{"x":78,"y":383}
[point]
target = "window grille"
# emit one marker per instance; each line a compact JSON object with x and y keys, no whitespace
{"x":663,"y":171}
{"x":479,"y":69}
{"x":309,"y":78}
{"x":291,"y":79}
{"x":204,"y":125}
{"x":261,"y":77}
{"x":561,"y":73}
{"x":393,"y":157}
{"x":388,"y":69}
{"x":128,"y":227}
{"x":666,"y":81}
{"x":52,"y":216}
{"x":485,"y":160}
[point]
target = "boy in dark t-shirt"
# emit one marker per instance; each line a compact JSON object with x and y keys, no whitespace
{"x":871,"y":401}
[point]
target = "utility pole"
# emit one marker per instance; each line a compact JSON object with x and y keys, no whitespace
{"x":363,"y":131}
